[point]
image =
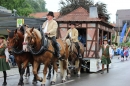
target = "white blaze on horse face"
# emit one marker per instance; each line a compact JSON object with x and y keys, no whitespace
{"x":25,"y":43}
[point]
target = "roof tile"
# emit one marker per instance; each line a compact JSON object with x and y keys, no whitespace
{"x":79,"y":14}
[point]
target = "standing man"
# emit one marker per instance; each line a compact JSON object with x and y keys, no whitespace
{"x":73,"y":34}
{"x":50,"y":28}
{"x":106,"y":55}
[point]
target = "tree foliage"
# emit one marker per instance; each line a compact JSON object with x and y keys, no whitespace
{"x":67,"y":6}
{"x":24,"y":7}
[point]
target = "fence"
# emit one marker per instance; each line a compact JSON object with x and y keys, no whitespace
{"x":11,"y":23}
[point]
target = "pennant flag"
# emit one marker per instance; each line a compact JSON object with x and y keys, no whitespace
{"x":123,"y":32}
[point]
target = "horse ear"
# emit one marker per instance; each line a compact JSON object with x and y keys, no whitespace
{"x":26,"y":25}
{"x":8,"y":30}
{"x":32,"y":30}
{"x":15,"y":31}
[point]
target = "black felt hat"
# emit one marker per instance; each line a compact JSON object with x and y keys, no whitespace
{"x":50,"y":13}
{"x":105,"y":39}
{"x":73,"y":23}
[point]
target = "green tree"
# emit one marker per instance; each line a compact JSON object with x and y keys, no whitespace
{"x":67,"y":6}
{"x":42,"y":5}
{"x":24,"y":7}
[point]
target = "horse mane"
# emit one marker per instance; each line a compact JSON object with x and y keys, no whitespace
{"x":22,"y":29}
{"x":37,"y":32}
{"x":11,"y":34}
{"x":69,"y":44}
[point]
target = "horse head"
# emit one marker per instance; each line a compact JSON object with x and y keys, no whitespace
{"x":15,"y":39}
{"x":32,"y":37}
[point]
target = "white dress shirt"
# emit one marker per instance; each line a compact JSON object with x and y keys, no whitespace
{"x":45,"y":29}
{"x":7,"y":53}
{"x":110,"y":50}
{"x":70,"y":34}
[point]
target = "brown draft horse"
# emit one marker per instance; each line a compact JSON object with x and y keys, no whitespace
{"x":73,"y":57}
{"x":33,"y":38}
{"x":15,"y":40}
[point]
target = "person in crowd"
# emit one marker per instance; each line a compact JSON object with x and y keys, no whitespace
{"x":112,"y":47}
{"x":83,"y":39}
{"x":126,"y":52}
{"x":11,"y":56}
{"x":4,"y":56}
{"x":122,"y":53}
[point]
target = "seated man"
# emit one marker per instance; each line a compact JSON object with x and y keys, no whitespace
{"x":50,"y":28}
{"x":73,"y":34}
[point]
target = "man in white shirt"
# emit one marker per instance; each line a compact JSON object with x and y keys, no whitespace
{"x":50,"y":28}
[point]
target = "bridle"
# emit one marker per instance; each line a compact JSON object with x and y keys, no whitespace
{"x":15,"y":47}
{"x":30,"y":38}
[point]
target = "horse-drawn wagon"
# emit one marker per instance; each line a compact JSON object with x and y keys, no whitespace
{"x":92,"y":30}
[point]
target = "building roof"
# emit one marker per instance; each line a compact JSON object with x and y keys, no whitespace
{"x":79,"y":14}
{"x":122,"y":16}
{"x":123,"y":13}
{"x":43,"y":14}
{"x":4,"y":12}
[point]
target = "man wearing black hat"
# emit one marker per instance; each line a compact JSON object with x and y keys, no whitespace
{"x":50,"y":28}
{"x":106,"y":55}
{"x":73,"y":34}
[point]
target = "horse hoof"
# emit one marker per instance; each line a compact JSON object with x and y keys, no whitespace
{"x":34,"y":82}
{"x":78,"y":75}
{"x":42,"y":84}
{"x":52,"y":83}
{"x":20,"y":84}
{"x":41,"y":79}
{"x":48,"y":77}
{"x":68,"y":77}
{"x":63,"y":81}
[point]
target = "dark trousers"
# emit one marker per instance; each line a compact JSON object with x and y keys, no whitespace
{"x":78,"y":47}
{"x":55,"y":44}
{"x":4,"y":73}
{"x":12,"y":60}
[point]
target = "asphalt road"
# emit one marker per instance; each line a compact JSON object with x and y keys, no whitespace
{"x":119,"y":75}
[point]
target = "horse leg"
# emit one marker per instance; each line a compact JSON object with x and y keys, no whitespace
{"x":35,"y":68}
{"x":77,"y":66}
{"x":61,"y":68}
{"x":22,"y":72}
{"x":68,"y":70}
{"x":49,"y":74}
{"x":55,"y":72}
{"x":27,"y":71}
{"x":44,"y":75}
{"x":64,"y":65}
{"x":38,"y":68}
